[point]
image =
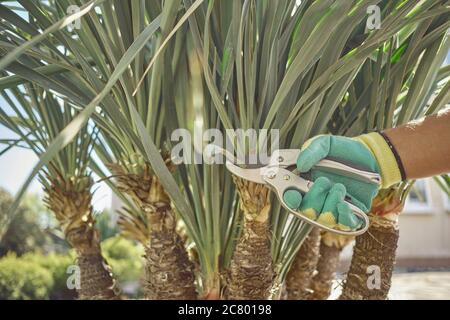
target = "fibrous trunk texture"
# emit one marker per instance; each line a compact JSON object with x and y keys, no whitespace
{"x":251,"y":272}
{"x":331,"y":246}
{"x":70,"y":200}
{"x":369,"y":277}
{"x":96,"y":279}
{"x":169,"y":272}
{"x":302,"y":270}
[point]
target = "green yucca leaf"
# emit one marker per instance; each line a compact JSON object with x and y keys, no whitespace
{"x":69,"y":132}
{"x":444,"y":183}
{"x":13,"y":55}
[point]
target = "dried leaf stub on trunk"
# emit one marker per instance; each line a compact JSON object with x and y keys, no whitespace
{"x":331,"y":246}
{"x":298,"y":282}
{"x":169,"y":272}
{"x":251,"y":270}
{"x":70,"y":200}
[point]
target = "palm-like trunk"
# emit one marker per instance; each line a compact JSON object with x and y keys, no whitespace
{"x":169,"y":272}
{"x":374,"y":252}
{"x":70,"y":200}
{"x":96,"y":279}
{"x":251,"y":271}
{"x":298,"y":281}
{"x":331,"y":246}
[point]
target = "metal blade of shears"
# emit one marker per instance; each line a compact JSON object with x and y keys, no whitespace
{"x":254,"y":175}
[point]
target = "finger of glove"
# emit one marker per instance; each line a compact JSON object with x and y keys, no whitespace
{"x":314,"y":199}
{"x":347,"y":220}
{"x":361,"y":193}
{"x":329,"y":215}
{"x":315,"y":150}
{"x":292,"y":198}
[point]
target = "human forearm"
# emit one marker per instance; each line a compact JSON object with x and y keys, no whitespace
{"x":423,"y":145}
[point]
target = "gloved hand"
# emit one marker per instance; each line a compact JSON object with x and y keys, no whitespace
{"x":325,"y":200}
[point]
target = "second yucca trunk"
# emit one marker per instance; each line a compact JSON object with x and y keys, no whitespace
{"x":369,"y":277}
{"x":331,"y":246}
{"x":298,"y":281}
{"x":70,"y":200}
{"x":251,"y":271}
{"x":169,"y":272}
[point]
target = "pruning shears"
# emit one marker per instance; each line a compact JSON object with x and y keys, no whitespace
{"x":281,"y":175}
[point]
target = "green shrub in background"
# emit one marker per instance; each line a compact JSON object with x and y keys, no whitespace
{"x":35,"y":275}
{"x":31,"y":229}
{"x":21,"y":279}
{"x":125,"y":258}
{"x":57,"y":265}
{"x":105,"y":224}
{"x":5,"y":202}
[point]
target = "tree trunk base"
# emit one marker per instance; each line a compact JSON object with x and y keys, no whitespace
{"x":302,"y":270}
{"x":331,"y":246}
{"x":70,"y":200}
{"x":369,"y":277}
{"x":96,"y":281}
{"x":326,"y":269}
{"x":251,"y":271}
{"x":169,"y":272}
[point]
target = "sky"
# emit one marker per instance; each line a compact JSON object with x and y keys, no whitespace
{"x":17,"y":164}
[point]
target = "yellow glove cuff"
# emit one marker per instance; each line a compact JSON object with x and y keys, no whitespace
{"x":390,"y":172}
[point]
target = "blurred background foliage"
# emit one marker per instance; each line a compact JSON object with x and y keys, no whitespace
{"x":34,"y":257}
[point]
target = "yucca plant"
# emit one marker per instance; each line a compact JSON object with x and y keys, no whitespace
{"x":299,"y":279}
{"x":127,"y":33}
{"x":408,"y":73}
{"x":169,"y":273}
{"x":284,"y":66}
{"x":36,"y":117}
{"x":331,"y":246}
{"x":266,"y":65}
{"x":363,"y":96}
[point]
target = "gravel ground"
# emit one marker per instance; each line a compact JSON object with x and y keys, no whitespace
{"x":414,"y":286}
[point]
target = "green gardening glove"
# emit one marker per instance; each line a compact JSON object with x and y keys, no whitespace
{"x":325,"y":200}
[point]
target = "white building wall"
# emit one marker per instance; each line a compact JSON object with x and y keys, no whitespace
{"x":425,"y":232}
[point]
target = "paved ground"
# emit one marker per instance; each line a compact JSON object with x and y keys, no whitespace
{"x":415,"y":286}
